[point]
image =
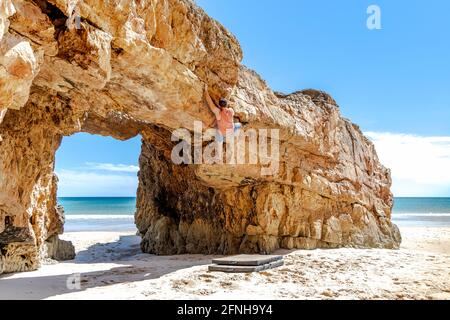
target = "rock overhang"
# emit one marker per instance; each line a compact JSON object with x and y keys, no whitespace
{"x":140,"y":67}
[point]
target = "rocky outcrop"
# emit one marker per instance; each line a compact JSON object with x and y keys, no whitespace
{"x":124,"y":68}
{"x":55,"y":248}
{"x":59,"y":250}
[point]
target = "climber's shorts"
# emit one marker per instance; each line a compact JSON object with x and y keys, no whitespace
{"x":221,"y":138}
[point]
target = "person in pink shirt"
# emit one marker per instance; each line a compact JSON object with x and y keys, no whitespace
{"x":224,"y":117}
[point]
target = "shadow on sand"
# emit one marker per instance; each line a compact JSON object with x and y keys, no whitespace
{"x":99,"y":265}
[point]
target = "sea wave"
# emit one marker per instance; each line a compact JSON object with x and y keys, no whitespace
{"x":99,"y":217}
{"x":394,"y":215}
{"x":131,"y":217}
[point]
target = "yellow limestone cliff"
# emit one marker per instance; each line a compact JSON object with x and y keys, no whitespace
{"x":123,"y":68}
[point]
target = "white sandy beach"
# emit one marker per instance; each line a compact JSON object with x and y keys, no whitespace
{"x":111,"y":266}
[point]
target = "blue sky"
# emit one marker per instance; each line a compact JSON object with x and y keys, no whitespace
{"x":393,"y":82}
{"x":95,"y":166}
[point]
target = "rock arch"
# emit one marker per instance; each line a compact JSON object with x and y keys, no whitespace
{"x":139,"y":67}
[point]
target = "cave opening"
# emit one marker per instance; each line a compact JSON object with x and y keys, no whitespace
{"x":97,"y":182}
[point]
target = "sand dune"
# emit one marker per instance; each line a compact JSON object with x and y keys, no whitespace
{"x":109,"y":265}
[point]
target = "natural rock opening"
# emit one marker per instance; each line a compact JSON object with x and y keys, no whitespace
{"x":97,"y":175}
{"x":141,"y":68}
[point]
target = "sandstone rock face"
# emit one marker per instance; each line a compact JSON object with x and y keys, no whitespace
{"x":124,"y":68}
{"x":59,"y":250}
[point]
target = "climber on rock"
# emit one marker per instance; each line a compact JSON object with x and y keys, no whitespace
{"x":224,"y":117}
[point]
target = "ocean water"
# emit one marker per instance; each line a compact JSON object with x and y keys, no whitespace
{"x":117,"y":214}
{"x":99,"y":214}
{"x":421,"y":212}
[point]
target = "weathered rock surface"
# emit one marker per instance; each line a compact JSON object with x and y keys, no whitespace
{"x":59,"y":250}
{"x":139,"y":67}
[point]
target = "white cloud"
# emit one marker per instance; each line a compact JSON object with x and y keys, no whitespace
{"x":420,"y":165}
{"x":92,"y":184}
{"x":112,"y":167}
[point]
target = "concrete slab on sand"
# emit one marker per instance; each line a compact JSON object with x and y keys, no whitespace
{"x":246,"y":269}
{"x":247,"y":260}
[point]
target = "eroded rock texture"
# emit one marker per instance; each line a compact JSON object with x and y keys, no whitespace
{"x":139,"y":67}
